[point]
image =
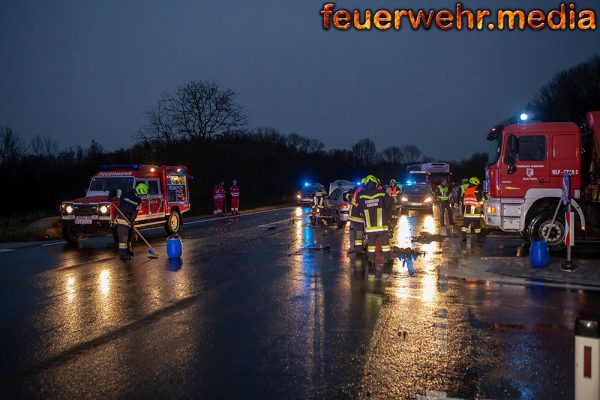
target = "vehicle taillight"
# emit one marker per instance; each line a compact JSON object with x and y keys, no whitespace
{"x":343,"y":205}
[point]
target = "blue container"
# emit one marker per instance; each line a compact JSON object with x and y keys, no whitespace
{"x":174,"y":246}
{"x":539,"y":254}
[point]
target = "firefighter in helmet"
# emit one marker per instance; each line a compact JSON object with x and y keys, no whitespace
{"x":472,"y":210}
{"x":375,"y":206}
{"x":129,"y":204}
{"x":356,"y":221}
{"x":443,"y":198}
{"x":234,"y":191}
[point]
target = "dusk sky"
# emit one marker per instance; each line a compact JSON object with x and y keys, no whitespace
{"x":78,"y":70}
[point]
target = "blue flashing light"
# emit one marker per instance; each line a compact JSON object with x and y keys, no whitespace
{"x":358,"y":183}
{"x":524,"y":117}
{"x":409,"y":183}
{"x":306,"y":184}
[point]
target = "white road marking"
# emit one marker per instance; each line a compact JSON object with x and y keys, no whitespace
{"x":203,"y":221}
{"x":6,"y":250}
{"x":435,"y":395}
{"x":52,"y":244}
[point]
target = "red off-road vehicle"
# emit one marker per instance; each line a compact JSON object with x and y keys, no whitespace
{"x":167,"y":200}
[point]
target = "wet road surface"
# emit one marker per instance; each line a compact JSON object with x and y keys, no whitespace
{"x":250,"y":312}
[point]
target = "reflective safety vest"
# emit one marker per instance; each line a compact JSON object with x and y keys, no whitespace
{"x":394,"y":191}
{"x":471,"y":203}
{"x":355,"y":215}
{"x":374,"y":205}
{"x":443,"y":193}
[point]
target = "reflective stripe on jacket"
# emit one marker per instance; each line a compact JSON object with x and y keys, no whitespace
{"x":443,"y":193}
{"x":375,"y":206}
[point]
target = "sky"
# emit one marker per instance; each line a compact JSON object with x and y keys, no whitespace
{"x":78,"y":70}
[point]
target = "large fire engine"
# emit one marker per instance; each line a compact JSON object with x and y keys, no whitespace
{"x":524,"y":178}
{"x":168,"y":198}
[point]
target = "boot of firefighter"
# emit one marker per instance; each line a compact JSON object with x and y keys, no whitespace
{"x":123,"y":251}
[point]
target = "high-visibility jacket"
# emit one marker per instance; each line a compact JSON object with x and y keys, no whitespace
{"x":443,"y":193}
{"x":355,"y":214}
{"x":129,"y":204}
{"x":219,"y":193}
{"x":472,"y":206}
{"x":318,"y":199}
{"x":375,"y":206}
{"x":394,"y":191}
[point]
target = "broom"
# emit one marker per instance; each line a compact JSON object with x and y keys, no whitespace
{"x":151,"y":251}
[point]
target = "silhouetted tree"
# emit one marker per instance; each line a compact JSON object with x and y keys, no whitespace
{"x":365,"y":152}
{"x":10,"y":145}
{"x":411,"y":153}
{"x":393,"y":155}
{"x":43,"y":146}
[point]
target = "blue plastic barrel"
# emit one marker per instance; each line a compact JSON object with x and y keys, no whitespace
{"x":539,"y":254}
{"x":174,"y":248}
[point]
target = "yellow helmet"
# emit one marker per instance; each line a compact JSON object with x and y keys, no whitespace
{"x":141,"y":189}
{"x":371,"y":178}
{"x":474,"y":180}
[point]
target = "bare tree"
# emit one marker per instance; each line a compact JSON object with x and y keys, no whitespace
{"x":365,"y":152}
{"x":161,"y":124}
{"x":203,"y":110}
{"x":411,"y":153}
{"x":10,"y":145}
{"x":393,"y":155}
{"x":43,"y":146}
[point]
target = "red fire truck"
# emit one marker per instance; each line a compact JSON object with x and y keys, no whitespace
{"x":524,"y":176}
{"x":168,"y":198}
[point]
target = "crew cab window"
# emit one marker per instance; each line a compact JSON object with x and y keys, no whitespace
{"x":153,"y":187}
{"x":525,"y":148}
{"x":532,"y":148}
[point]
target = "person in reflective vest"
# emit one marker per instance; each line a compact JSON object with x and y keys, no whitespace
{"x":219,"y":198}
{"x":375,"y":206}
{"x":443,"y":197}
{"x":356,"y":222}
{"x":129,"y":204}
{"x":234,"y":191}
{"x":393,"y":190}
{"x":472,"y":211}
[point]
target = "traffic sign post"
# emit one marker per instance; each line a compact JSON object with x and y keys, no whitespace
{"x":568,"y":266}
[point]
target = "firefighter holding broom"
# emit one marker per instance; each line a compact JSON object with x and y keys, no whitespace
{"x":129,"y":204}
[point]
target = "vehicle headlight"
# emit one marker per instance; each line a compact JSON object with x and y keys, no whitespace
{"x":298,"y":196}
{"x":404,"y":198}
{"x":491,"y":210}
{"x":103,"y":209}
{"x":69,"y":209}
{"x":428,"y":200}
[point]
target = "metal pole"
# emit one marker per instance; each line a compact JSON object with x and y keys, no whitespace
{"x":569,"y":266}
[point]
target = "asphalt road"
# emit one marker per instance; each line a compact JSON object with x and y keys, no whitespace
{"x":251,"y":312}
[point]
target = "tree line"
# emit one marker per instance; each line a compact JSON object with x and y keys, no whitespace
{"x":204,"y":127}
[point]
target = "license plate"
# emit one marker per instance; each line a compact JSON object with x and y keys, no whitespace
{"x":83,"y":220}
{"x":416,"y":204}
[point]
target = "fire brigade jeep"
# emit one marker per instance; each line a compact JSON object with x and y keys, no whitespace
{"x":167,"y":200}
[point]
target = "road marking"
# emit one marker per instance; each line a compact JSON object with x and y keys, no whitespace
{"x":232,"y":216}
{"x":6,"y":250}
{"x":527,"y":282}
{"x":434,"y":395}
{"x":52,"y":244}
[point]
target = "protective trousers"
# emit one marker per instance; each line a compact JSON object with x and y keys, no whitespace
{"x":445,"y":207}
{"x":356,"y":236}
{"x":125,"y":238}
{"x":384,"y":241}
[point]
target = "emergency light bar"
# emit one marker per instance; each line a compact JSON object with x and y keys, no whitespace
{"x":113,"y":167}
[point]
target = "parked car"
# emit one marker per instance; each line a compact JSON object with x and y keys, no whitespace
{"x":417,"y":197}
{"x":337,"y":206}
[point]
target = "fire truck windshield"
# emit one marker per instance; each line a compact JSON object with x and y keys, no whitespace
{"x":495,"y":147}
{"x":108,"y":184}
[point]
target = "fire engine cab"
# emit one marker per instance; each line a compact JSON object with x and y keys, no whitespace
{"x":524,"y":178}
{"x":167,"y":200}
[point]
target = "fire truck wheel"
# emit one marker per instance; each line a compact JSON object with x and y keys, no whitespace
{"x":173,"y":222}
{"x":71,"y":233}
{"x":539,"y":226}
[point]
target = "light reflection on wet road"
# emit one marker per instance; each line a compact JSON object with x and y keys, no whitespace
{"x":252,"y":312}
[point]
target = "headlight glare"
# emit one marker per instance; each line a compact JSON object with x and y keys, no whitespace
{"x":428,"y":200}
{"x":69,"y":209}
{"x":404,"y":198}
{"x":103,"y":209}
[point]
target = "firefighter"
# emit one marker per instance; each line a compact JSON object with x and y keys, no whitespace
{"x":393,"y":190}
{"x":219,"y":198}
{"x":375,"y":206}
{"x":129,"y":204}
{"x":234,"y":191}
{"x":472,"y":208}
{"x":356,"y":222}
{"x":443,"y":197}
{"x":318,"y":203}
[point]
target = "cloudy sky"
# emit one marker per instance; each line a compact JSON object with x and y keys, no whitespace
{"x":78,"y":70}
